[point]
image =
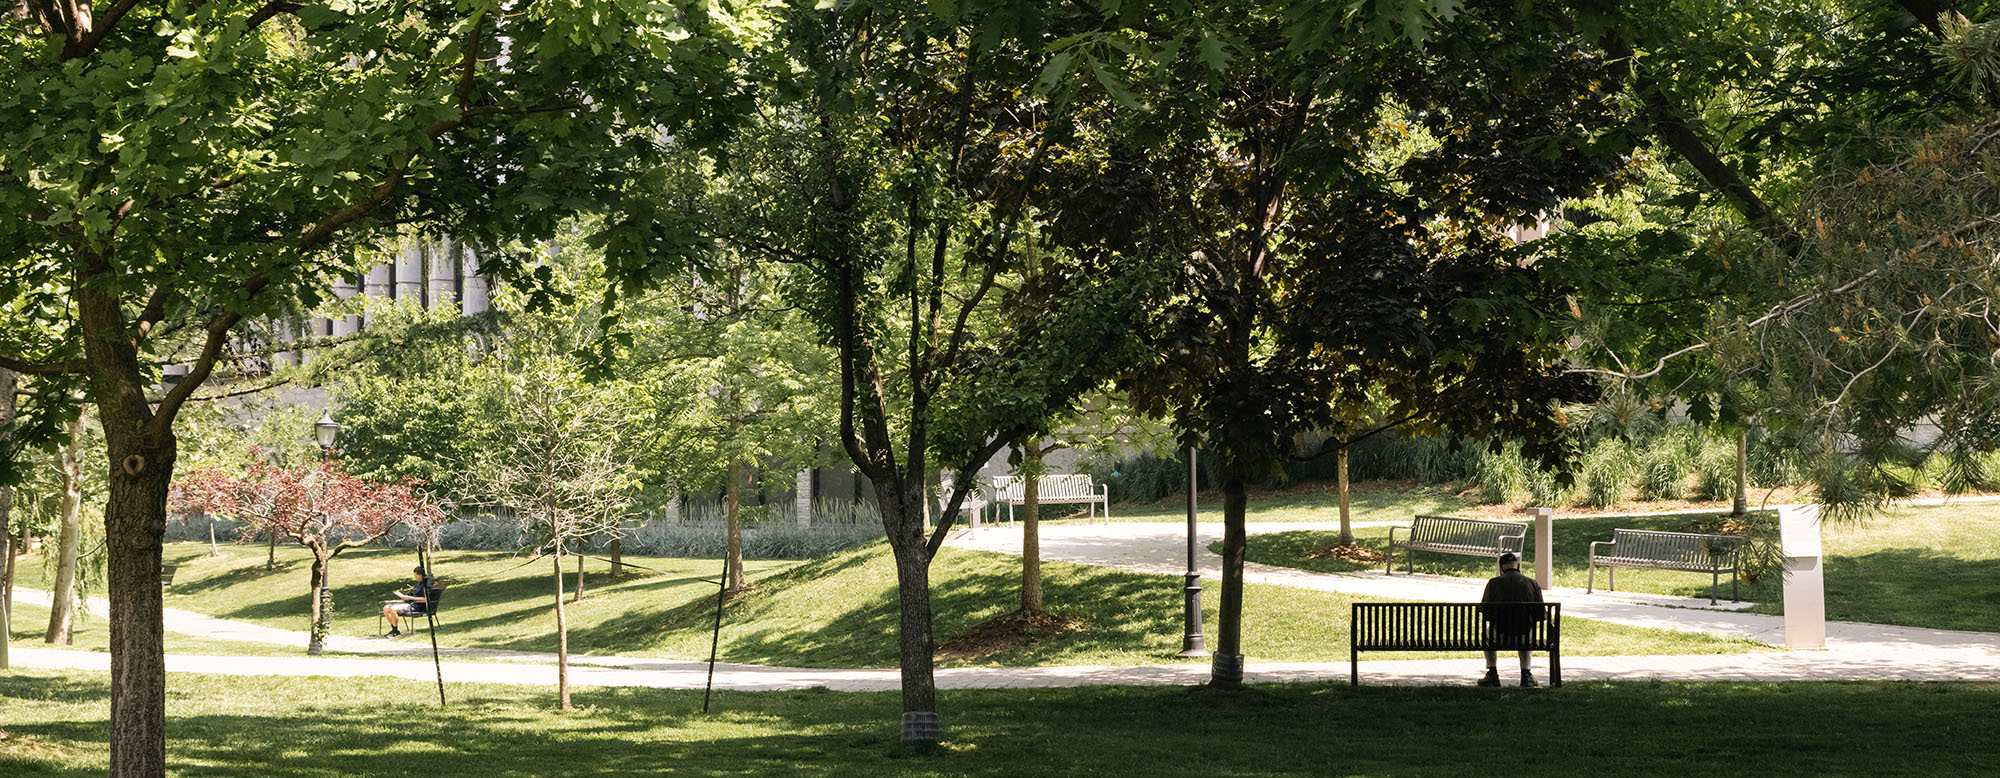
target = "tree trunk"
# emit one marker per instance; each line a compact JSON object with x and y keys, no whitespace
{"x":1742,"y":503}
{"x":7,"y":383}
{"x":62,"y":606}
{"x":905,"y":514}
{"x":617,"y":555}
{"x":1346,"y":517}
{"x":6,"y":551}
{"x":322,"y":602}
{"x":733,"y":556}
{"x":1228,"y":668}
{"x":578,"y":594}
{"x":135,"y":524}
{"x":562,"y":638}
{"x":1031,"y":535}
{"x":271,"y":561}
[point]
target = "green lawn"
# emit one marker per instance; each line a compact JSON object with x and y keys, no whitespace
{"x":1932,"y":566}
{"x":838,"y":611}
{"x":31,"y":622}
{"x":1308,"y":502}
{"x":30,"y":625}
{"x":309,"y":728}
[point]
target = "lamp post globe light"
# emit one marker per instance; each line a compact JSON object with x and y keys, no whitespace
{"x":324,"y":431}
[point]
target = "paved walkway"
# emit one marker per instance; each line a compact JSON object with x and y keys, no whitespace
{"x":1855,"y":651}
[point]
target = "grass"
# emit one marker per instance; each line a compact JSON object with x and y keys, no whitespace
{"x":1372,"y":501}
{"x":1929,"y":566}
{"x":835,"y":612}
{"x":493,"y":599}
{"x":313,"y":728}
{"x":30,"y":625}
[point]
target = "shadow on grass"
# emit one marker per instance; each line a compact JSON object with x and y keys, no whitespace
{"x":1914,"y":587}
{"x":1589,"y":729}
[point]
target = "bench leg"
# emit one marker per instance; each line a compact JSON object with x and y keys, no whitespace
{"x":1714,"y":581}
{"x":1735,"y":592}
{"x":1591,"y":587}
{"x":1389,"y":563}
{"x":1353,"y":666}
{"x":1612,"y":573}
{"x":1555,"y":668}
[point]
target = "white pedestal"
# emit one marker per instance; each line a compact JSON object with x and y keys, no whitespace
{"x":1545,"y":555}
{"x":1805,"y":576}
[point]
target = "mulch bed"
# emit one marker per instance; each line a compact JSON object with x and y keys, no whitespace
{"x":1349,"y":554}
{"x":999,"y":635}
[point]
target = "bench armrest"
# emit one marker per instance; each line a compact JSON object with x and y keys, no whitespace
{"x":1595,"y":543}
{"x":1392,"y":535}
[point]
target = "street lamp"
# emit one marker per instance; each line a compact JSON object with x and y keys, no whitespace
{"x":324,"y":431}
{"x":1192,"y":644}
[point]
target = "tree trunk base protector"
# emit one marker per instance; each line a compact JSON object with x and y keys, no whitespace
{"x":1226,"y":671}
{"x":921,"y":729}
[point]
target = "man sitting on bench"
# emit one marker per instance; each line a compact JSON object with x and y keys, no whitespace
{"x":415,"y":602}
{"x":1508,"y":587}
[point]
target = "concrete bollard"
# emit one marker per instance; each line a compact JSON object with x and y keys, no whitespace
{"x":1545,"y":546}
{"x":1805,"y":576}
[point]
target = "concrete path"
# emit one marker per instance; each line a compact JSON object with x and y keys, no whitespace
{"x":1855,"y":651}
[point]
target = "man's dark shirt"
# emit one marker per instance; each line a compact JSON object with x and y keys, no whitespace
{"x":1511,"y":586}
{"x":422,"y":591}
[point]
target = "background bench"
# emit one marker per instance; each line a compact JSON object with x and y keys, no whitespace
{"x":1683,"y":551}
{"x":1447,"y":535}
{"x":1449,"y":626}
{"x":1053,"y":490}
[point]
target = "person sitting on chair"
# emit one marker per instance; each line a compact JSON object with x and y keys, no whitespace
{"x":1509,"y":621}
{"x":415,"y":602}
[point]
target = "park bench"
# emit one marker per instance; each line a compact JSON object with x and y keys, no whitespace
{"x":430,"y":609}
{"x":1053,"y":490}
{"x":975,"y":500}
{"x":1448,"y":535}
{"x":1683,"y":551}
{"x":167,"y":575}
{"x":1452,"y":626}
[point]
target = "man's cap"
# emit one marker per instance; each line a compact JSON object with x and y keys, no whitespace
{"x":1508,"y":558}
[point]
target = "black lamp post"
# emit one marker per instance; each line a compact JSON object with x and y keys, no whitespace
{"x":324,"y":432}
{"x":1193,"y":645}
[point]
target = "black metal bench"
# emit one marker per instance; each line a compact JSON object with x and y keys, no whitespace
{"x":167,"y":575}
{"x":1448,"y":535}
{"x":429,"y":610}
{"x":1683,"y":551}
{"x":1452,"y":626}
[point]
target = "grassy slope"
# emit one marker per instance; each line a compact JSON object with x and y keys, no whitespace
{"x":838,"y":611}
{"x":223,"y":726}
{"x":493,"y":600}
{"x":1931,"y":566}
